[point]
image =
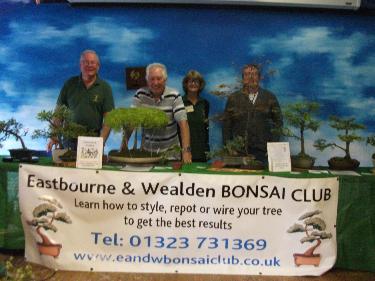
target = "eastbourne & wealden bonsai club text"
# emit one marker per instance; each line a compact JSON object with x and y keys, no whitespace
{"x":185,"y":189}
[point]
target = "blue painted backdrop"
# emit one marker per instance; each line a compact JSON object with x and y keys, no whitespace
{"x":327,"y":57}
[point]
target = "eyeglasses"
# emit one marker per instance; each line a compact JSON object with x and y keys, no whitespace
{"x":88,"y":63}
{"x":194,"y":81}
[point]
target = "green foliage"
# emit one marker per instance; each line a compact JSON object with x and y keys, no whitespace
{"x":12,"y":128}
{"x":349,"y":128}
{"x":60,"y":125}
{"x":235,"y":147}
{"x":14,"y":273}
{"x":129,"y":118}
{"x":300,"y":115}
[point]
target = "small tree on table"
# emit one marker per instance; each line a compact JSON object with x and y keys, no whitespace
{"x":349,"y":126}
{"x":12,"y":128}
{"x":300,"y":115}
{"x":60,"y":126}
{"x":314,"y":229}
{"x":126,"y":120}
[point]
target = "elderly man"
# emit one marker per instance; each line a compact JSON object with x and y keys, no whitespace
{"x":158,"y":95}
{"x":88,"y":97}
{"x":253,"y":113}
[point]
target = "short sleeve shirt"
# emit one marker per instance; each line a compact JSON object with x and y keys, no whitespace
{"x":159,"y":140}
{"x":87,"y":105}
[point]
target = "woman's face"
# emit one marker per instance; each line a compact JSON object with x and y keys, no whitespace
{"x":193,"y":85}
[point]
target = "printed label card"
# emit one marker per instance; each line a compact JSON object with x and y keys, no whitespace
{"x":279,"y":157}
{"x":89,"y":152}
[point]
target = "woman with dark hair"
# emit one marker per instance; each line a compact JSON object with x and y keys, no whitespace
{"x":197,"y":110}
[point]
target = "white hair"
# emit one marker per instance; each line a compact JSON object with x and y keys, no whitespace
{"x":89,"y":52}
{"x":157,"y":65}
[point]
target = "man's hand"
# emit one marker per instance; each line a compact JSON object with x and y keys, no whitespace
{"x":186,"y":157}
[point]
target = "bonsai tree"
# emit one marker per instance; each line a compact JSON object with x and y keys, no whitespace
{"x":12,"y":128}
{"x":300,"y":116}
{"x":314,"y":229}
{"x":45,"y":215}
{"x":129,"y":120}
{"x":349,"y":128}
{"x":60,"y":126}
{"x":371,"y":141}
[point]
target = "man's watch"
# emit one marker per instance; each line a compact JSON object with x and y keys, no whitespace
{"x":186,"y":149}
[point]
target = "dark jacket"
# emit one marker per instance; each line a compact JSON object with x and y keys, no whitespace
{"x":252,"y":121}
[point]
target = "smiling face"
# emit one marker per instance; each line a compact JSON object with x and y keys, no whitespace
{"x":156,"y":81}
{"x":193,"y":86}
{"x":89,"y":65}
{"x":251,"y":78}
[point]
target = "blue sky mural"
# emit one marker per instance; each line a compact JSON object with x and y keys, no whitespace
{"x":327,"y":57}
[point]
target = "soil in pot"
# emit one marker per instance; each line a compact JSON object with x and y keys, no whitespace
{"x":341,"y":163}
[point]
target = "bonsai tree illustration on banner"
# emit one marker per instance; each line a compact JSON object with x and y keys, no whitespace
{"x":45,"y":215}
{"x":314,"y":228}
{"x":349,"y":128}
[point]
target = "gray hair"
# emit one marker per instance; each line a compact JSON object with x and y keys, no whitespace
{"x":89,"y":52}
{"x":156,"y":65}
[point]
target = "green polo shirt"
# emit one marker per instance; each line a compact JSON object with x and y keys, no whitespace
{"x":198,"y":124}
{"x":87,"y":105}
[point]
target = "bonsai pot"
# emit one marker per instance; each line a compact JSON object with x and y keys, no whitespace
{"x":21,"y":154}
{"x":133,"y":157}
{"x":176,"y":165}
{"x":342,"y":163}
{"x":52,"y":250}
{"x":235,"y":161}
{"x":302,"y":162}
{"x":302,"y":259}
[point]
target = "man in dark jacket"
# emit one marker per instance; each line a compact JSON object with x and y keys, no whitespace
{"x":252,"y":113}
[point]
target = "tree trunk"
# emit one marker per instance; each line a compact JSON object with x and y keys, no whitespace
{"x":45,"y":239}
{"x":310,"y":252}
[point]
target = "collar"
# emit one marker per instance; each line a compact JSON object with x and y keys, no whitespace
{"x":97,"y":80}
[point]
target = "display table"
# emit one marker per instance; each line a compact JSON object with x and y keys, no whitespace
{"x":355,"y":218}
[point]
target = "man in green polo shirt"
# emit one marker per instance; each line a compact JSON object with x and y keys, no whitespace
{"x":88,"y":97}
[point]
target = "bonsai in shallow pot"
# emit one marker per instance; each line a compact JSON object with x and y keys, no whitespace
{"x":131,"y":121}
{"x":234,"y":153}
{"x":12,"y":128}
{"x":300,"y":116}
{"x":349,"y":127}
{"x":60,"y":127}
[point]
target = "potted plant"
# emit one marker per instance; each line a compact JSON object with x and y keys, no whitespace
{"x":12,"y":128}
{"x":371,"y":141}
{"x":349,"y":127}
{"x":234,"y":154}
{"x":314,"y":229}
{"x":300,"y":116}
{"x":44,"y":217}
{"x":132,"y":121}
{"x":60,"y":127}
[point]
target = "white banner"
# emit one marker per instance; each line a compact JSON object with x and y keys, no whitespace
{"x":187,"y":223}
